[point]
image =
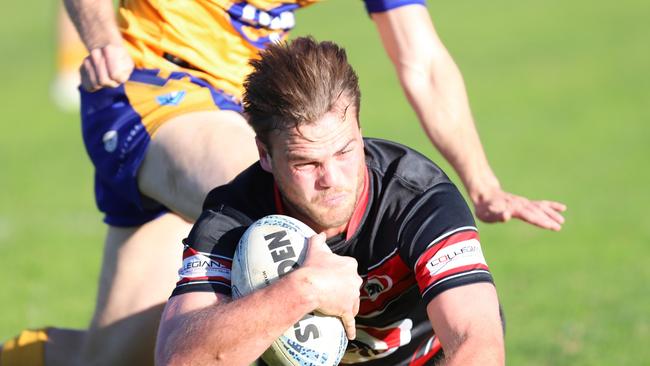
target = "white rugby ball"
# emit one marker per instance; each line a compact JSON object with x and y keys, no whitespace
{"x":272,"y":247}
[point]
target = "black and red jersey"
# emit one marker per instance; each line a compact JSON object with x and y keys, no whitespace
{"x":411,"y":233}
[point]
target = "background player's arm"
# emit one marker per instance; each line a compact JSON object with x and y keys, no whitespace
{"x":108,"y":63}
{"x":435,"y":88}
{"x":466,"y":320}
{"x":202,"y":327}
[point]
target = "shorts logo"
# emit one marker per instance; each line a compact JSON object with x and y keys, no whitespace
{"x":171,"y":99}
{"x":375,"y":286}
{"x":110,"y":141}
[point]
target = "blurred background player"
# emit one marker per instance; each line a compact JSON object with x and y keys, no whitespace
{"x":70,"y":52}
{"x":162,"y":139}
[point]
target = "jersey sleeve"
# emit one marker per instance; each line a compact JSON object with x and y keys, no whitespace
{"x":378,"y":6}
{"x":208,"y":252}
{"x":440,"y":243}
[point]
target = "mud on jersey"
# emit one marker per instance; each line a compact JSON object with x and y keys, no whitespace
{"x":413,"y":237}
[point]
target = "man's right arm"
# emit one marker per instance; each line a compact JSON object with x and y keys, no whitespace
{"x":208,"y":328}
{"x":108,"y":63}
{"x":204,"y":327}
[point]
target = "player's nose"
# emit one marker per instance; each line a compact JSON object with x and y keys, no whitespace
{"x":330,"y":175}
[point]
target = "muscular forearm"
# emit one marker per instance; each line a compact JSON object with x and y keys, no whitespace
{"x":435,"y":88}
{"x":236,"y":332}
{"x":477,"y":352}
{"x":436,"y":91}
{"x":95,"y":22}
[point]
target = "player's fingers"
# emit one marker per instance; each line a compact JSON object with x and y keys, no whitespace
{"x":553,"y":210}
{"x":535,"y":216}
{"x":101,"y":69}
{"x":506,"y":215}
{"x":355,"y":306}
{"x":316,"y":249}
{"x":349,"y":325}
{"x":118,"y":62}
{"x":318,"y":242}
{"x":557,"y":206}
{"x":88,"y":76}
{"x":548,"y":209}
{"x":553,"y":214}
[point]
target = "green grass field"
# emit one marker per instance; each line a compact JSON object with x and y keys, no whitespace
{"x":560,"y":93}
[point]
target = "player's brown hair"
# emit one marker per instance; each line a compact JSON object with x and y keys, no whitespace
{"x":296,"y":83}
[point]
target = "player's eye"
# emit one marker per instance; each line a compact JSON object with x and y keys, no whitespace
{"x":305,"y":165}
{"x":344,"y":153}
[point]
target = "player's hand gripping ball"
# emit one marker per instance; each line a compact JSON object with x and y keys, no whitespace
{"x":272,"y":247}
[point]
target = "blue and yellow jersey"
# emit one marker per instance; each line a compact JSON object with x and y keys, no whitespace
{"x":212,"y":39}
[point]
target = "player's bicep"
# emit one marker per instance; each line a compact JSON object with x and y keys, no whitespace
{"x":467,"y":313}
{"x":408,"y":35}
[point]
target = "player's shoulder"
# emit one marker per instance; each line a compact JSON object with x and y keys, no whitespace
{"x":250,"y":192}
{"x":230,"y":208}
{"x":394,"y":161}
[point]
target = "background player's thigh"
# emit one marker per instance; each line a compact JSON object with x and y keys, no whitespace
{"x":139,"y":271}
{"x":193,"y":153}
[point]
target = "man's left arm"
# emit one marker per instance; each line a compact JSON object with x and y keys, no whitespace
{"x":466,"y":320}
{"x":435,"y":89}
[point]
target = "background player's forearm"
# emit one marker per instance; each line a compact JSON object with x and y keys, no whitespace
{"x":438,"y":96}
{"x":95,"y":22}
{"x":435,"y":88}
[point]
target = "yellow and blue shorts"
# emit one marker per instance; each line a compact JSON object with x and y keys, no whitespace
{"x":118,"y":124}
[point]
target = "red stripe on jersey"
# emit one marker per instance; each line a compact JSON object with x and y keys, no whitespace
{"x":452,"y":239}
{"x":223,"y":280}
{"x":390,"y":336}
{"x":425,"y":278}
{"x":425,"y":283}
{"x":360,"y":207}
{"x":421,"y":360}
{"x":384,"y":283}
{"x":188,"y":252}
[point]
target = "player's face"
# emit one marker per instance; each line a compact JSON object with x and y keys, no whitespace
{"x":319,"y":168}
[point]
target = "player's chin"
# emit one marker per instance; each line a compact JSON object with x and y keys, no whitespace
{"x":332,"y":217}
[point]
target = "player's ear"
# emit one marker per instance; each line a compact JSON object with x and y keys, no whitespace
{"x":265,"y":155}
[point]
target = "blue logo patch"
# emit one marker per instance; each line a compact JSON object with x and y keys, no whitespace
{"x":173,"y":98}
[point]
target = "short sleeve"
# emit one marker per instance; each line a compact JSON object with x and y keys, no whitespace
{"x":378,"y":6}
{"x":208,"y":252}
{"x":440,"y":243}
